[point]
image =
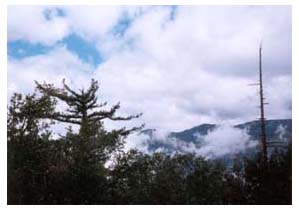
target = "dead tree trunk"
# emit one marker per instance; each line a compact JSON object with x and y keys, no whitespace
{"x":262,"y":118}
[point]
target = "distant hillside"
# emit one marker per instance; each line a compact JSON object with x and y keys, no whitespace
{"x":189,"y":135}
{"x":277,"y":130}
{"x":253,"y":127}
{"x":273,"y":129}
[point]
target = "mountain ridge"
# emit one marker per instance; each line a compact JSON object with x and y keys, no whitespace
{"x":276,"y":129}
{"x":206,"y":127}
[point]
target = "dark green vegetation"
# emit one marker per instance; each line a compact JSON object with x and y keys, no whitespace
{"x":71,"y":169}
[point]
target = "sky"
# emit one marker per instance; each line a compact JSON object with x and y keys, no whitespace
{"x":181,"y":66}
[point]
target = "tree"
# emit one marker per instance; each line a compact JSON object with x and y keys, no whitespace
{"x":84,"y":111}
{"x":92,"y":146}
{"x":24,"y":116}
{"x":272,"y":184}
{"x":69,"y":170}
{"x":131,"y":178}
{"x":138,"y":178}
{"x":234,"y":183}
{"x":27,"y":147}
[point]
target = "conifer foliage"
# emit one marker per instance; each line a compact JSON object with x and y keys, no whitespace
{"x":71,"y":169}
{"x":81,"y":105}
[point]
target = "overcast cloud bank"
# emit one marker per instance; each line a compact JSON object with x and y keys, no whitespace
{"x":181,"y":66}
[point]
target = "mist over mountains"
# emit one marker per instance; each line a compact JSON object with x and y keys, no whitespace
{"x":216,"y":141}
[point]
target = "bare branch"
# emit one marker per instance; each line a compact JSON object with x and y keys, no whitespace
{"x":126,"y":132}
{"x":125,"y":118}
{"x":105,"y":114}
{"x":69,"y":89}
{"x":51,"y":91}
{"x":62,"y":119}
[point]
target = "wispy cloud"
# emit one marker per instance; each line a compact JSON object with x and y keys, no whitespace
{"x":223,"y":140}
{"x":180,"y":66}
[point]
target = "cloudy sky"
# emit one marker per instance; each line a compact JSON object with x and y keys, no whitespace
{"x":180,"y":65}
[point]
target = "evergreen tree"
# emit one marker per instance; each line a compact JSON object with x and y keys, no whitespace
{"x":27,"y":147}
{"x":83,"y":110}
{"x":272,"y":184}
{"x":93,"y":145}
{"x":71,"y":169}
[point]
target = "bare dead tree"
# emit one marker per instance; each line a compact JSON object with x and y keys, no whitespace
{"x":262,"y":117}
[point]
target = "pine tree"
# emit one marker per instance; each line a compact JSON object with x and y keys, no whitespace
{"x":92,"y":146}
{"x":81,"y":105}
{"x":27,"y":148}
{"x":85,"y":111}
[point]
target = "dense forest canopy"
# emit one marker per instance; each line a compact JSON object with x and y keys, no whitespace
{"x":72,"y":169}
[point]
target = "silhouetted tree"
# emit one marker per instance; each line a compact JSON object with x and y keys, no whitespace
{"x":27,"y":147}
{"x":272,"y":184}
{"x":71,"y":169}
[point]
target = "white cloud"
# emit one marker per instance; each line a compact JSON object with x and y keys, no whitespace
{"x":29,"y":23}
{"x":137,"y":141}
{"x":195,"y":69}
{"x":92,"y":22}
{"x":281,"y":131}
{"x":52,"y":68}
{"x":225,"y":140}
{"x":278,"y":93}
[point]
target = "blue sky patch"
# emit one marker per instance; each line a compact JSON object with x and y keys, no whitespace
{"x":85,"y":50}
{"x":122,"y":25}
{"x":20,"y":49}
{"x":173,"y":12}
{"x":49,"y":14}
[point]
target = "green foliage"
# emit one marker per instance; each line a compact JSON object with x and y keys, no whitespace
{"x":71,"y":169}
{"x":27,"y":147}
{"x":271,"y":184}
{"x":138,"y":178}
{"x":261,"y":183}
